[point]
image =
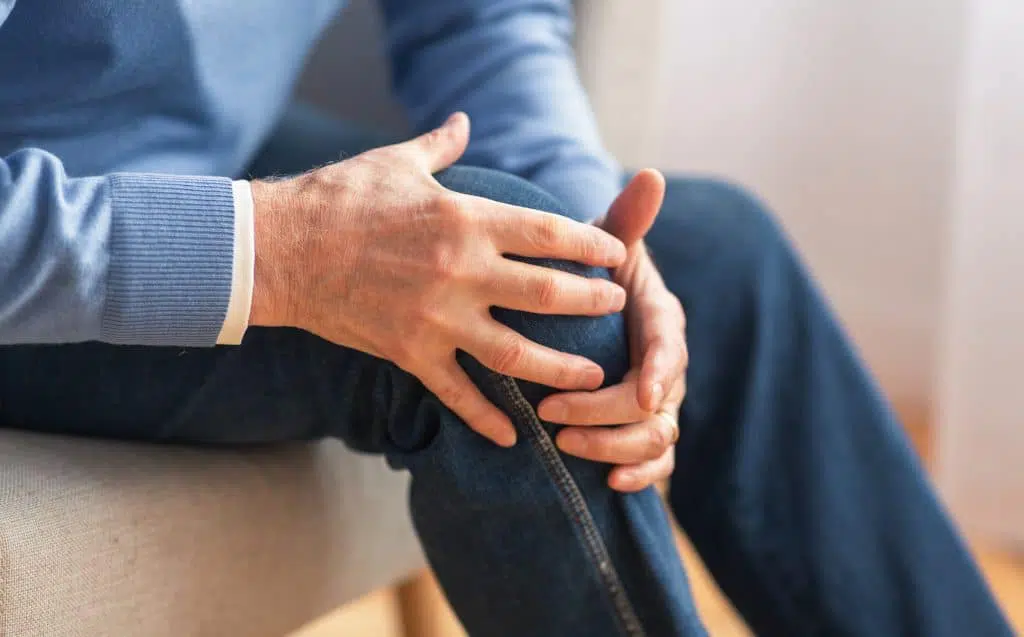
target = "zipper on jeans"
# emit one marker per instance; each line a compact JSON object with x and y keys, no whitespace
{"x":576,"y":507}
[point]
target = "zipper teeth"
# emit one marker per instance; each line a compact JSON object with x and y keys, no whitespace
{"x":576,"y":505}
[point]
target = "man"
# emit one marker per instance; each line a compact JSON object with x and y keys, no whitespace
{"x":427,"y":311}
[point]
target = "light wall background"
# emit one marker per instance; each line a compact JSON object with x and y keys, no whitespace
{"x":980,"y":393}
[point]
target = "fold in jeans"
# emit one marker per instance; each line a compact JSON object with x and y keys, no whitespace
{"x":794,"y":480}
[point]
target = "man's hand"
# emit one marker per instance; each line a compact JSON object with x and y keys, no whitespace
{"x":646,"y":403}
{"x":374,"y":254}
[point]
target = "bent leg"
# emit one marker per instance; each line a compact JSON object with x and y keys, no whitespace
{"x":525,"y":541}
{"x":567,"y":556}
{"x":794,"y":479}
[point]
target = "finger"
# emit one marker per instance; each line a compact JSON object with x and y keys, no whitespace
{"x":632,"y":214}
{"x":658,"y":372}
{"x":534,"y":288}
{"x":455,"y":389}
{"x":640,"y":476}
{"x":532,"y":233}
{"x":440,"y":148}
{"x":509,"y":353}
{"x":660,"y":375}
{"x":664,"y":355}
{"x":628,"y":444}
{"x":613,"y":405}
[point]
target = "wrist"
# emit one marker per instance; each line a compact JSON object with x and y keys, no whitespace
{"x":274,"y":281}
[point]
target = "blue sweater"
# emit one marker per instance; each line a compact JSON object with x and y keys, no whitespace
{"x":123,"y":121}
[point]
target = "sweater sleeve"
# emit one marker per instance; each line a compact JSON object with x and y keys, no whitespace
{"x":509,"y":64}
{"x":124,"y":258}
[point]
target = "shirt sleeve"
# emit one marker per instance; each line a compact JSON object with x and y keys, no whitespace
{"x":509,"y":64}
{"x":125,"y":258}
{"x":236,"y":319}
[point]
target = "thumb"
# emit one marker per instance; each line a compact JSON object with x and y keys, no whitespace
{"x":443,"y":146}
{"x":632,"y":213}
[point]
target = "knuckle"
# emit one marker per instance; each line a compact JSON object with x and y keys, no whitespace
{"x":546,"y":292}
{"x":563,"y":374}
{"x":429,"y":322}
{"x":434,"y":138}
{"x":444,"y":260}
{"x":600,"y":296}
{"x":600,"y":447}
{"x":454,"y":209}
{"x":657,"y":440}
{"x":546,"y":231}
{"x":510,"y":354}
{"x":586,"y":245}
{"x":454,"y":395}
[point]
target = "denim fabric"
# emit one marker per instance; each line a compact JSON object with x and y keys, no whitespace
{"x":794,"y":480}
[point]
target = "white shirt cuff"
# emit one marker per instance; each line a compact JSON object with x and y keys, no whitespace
{"x":236,"y":320}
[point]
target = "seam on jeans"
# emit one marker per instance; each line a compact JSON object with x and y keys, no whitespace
{"x":576,"y":506}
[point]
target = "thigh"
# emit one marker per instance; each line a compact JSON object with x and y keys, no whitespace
{"x":258,"y":392}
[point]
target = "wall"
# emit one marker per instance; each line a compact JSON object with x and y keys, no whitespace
{"x":840,"y":113}
{"x":981,"y":433}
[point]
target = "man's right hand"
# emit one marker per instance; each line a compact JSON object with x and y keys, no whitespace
{"x":372,"y":253}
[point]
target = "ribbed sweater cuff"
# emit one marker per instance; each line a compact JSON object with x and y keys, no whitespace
{"x":171,"y":257}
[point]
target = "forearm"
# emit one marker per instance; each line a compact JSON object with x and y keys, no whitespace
{"x":510,"y":65}
{"x":123,"y":258}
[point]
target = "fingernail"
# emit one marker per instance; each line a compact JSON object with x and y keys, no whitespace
{"x":657,"y":392}
{"x":554,"y":411}
{"x":626,"y":479}
{"x":507,"y":439}
{"x":572,"y":442}
{"x":592,"y":379}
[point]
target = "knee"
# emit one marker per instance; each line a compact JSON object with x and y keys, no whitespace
{"x":499,"y":186}
{"x":718,"y":224}
{"x":601,"y":339}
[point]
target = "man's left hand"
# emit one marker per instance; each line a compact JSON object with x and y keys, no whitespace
{"x":639,"y":415}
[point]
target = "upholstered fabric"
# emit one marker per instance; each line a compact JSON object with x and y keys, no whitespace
{"x":104,"y":538}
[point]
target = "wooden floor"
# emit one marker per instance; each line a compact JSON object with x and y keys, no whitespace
{"x":419,"y":609}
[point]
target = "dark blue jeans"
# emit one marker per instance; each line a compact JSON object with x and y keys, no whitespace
{"x":794,"y":480}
